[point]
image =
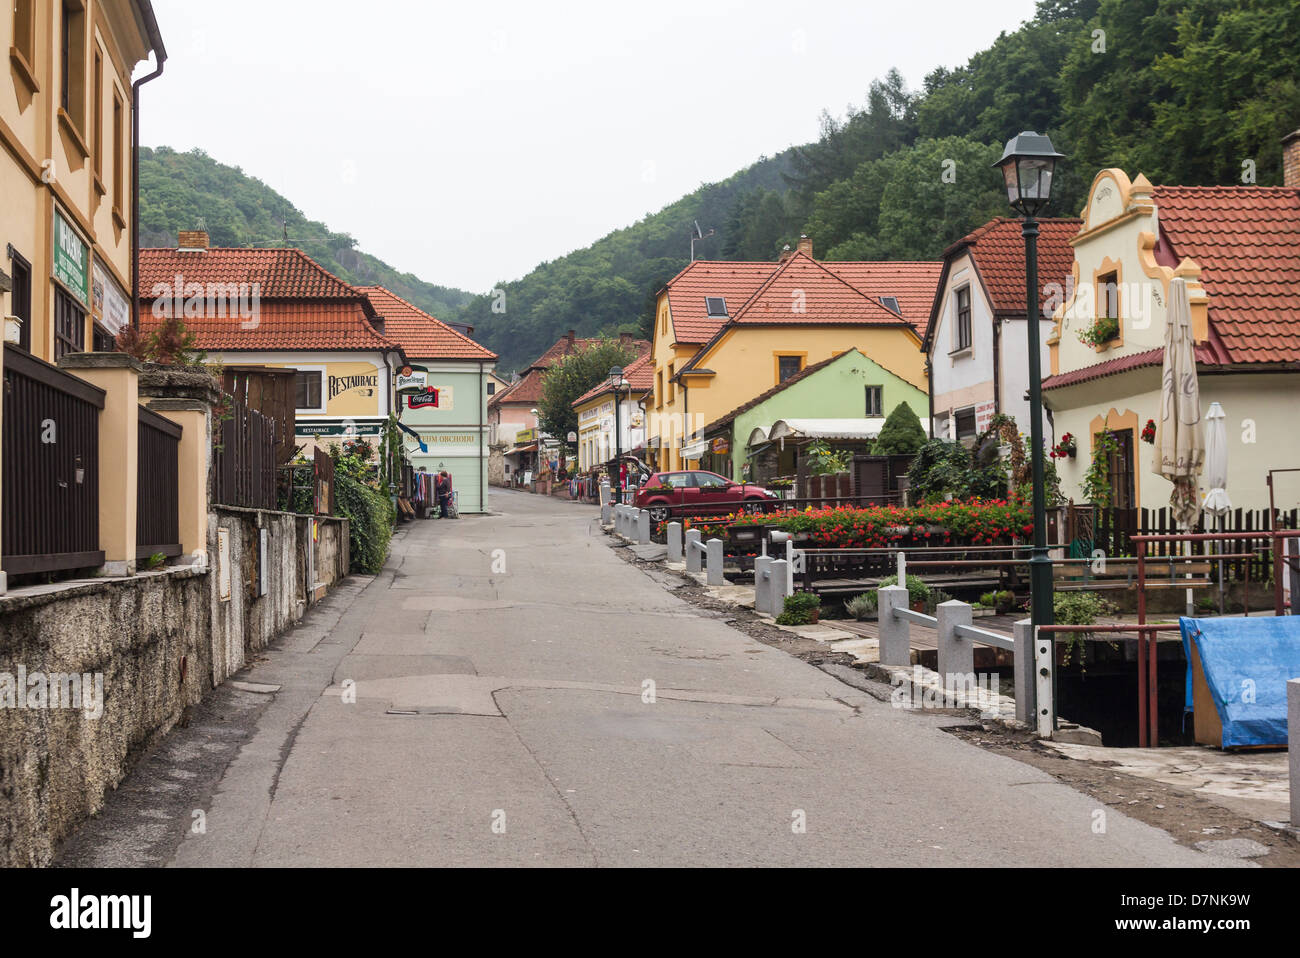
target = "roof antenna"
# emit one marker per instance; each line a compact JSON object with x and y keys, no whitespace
{"x":696,"y":234}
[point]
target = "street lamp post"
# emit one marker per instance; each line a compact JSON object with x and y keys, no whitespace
{"x":616,"y":380}
{"x":1027,"y":165}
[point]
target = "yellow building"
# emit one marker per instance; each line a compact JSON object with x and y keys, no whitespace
{"x":726,"y":332}
{"x":66,"y":169}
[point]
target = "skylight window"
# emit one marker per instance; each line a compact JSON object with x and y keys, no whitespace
{"x":890,"y":302}
{"x":716,"y":305}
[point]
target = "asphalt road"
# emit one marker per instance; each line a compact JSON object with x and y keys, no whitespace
{"x":487,"y":701}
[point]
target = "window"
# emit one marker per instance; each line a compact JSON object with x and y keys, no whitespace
{"x":672,"y":387}
{"x":963,"y":319}
{"x":890,"y":303}
{"x":659,"y":388}
{"x":1108,"y":296}
{"x":716,"y":305}
{"x":25,"y":31}
{"x":966,"y":423}
{"x":492,"y":388}
{"x":102,"y":340}
{"x":308,"y":387}
{"x":875,"y":401}
{"x":69,"y":325}
{"x":72,"y":51}
{"x":1121,"y":470}
{"x":678,"y":480}
{"x":706,"y":480}
{"x":20,"y":300}
{"x":120,"y":160}
{"x":97,"y":111}
{"x":788,"y":366}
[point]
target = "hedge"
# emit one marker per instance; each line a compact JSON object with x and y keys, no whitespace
{"x":370,"y":522}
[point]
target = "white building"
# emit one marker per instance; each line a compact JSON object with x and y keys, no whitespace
{"x":596,"y":416}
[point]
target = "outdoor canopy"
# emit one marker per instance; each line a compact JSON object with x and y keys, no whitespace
{"x":852,"y":429}
{"x":696,"y":449}
{"x":1180,"y":447}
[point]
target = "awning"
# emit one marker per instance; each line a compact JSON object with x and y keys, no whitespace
{"x":758,"y":437}
{"x":531,"y":447}
{"x":849,"y":429}
{"x":696,"y":449}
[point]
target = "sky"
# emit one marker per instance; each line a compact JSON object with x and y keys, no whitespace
{"x":467,"y":143}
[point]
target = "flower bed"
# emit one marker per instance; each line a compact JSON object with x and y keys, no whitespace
{"x":977,"y":522}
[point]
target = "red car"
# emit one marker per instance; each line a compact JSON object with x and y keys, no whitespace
{"x":698,"y":493}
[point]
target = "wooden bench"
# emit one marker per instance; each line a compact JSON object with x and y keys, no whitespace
{"x":1162,"y":572}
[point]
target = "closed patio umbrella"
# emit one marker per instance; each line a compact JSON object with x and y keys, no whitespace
{"x":1216,"y":501}
{"x":1181,"y":443}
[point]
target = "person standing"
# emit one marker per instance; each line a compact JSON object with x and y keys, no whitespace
{"x":443,"y":489}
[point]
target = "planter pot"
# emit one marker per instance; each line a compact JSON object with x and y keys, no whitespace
{"x":982,"y":613}
{"x":919,"y":606}
{"x":814,"y":615}
{"x":1072,"y":452}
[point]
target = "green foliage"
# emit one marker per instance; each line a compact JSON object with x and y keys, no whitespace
{"x":573,"y":376}
{"x":1079,"y":608}
{"x":180,"y":191}
{"x":901,"y":435}
{"x":825,"y":461}
{"x":370,"y":521}
{"x":1096,"y":486}
{"x":169,"y":344}
{"x":944,"y":468}
{"x":917,"y":590}
{"x":862,"y":606}
{"x":997,"y":599}
{"x":798,"y":609}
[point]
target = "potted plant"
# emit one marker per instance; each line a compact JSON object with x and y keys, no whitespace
{"x":1102,"y":331}
{"x":862,"y":607}
{"x":918,"y":593}
{"x":802,"y":608}
{"x":1066,"y":447}
{"x":1149,"y":432}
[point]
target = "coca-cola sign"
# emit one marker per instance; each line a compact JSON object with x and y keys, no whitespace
{"x":423,"y":399}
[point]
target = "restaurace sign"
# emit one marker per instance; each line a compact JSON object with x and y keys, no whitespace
{"x":339,"y":384}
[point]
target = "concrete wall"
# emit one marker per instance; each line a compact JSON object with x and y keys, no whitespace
{"x":160,"y":640}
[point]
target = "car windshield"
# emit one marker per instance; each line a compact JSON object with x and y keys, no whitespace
{"x":678,"y":480}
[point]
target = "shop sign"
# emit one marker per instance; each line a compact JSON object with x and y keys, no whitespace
{"x":337,"y":428}
{"x":109,"y":305}
{"x":720,"y":446}
{"x":411,"y":380}
{"x":71,"y":259}
{"x":426,"y":398}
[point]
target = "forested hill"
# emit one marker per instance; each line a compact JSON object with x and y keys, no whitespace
{"x":181,"y":191}
{"x":1194,"y":92}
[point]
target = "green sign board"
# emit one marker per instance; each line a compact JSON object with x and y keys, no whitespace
{"x":71,"y":260}
{"x":337,"y":428}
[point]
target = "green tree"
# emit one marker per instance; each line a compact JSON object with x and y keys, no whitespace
{"x":901,"y":435}
{"x":572,"y":376}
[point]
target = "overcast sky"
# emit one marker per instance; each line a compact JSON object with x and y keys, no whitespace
{"x":467,"y":142}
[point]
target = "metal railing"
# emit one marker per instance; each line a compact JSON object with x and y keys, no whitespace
{"x":51,"y":468}
{"x":157,"y":491}
{"x":244,"y":459}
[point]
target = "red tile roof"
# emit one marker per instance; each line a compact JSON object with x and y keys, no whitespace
{"x":911,"y":282}
{"x":300,"y":304}
{"x":998,"y":249}
{"x":419,"y":334}
{"x":640,"y":374}
{"x":804,"y":291}
{"x":529,"y":388}
{"x":735,"y":282}
{"x":1246,"y":239}
{"x":1113,"y":367}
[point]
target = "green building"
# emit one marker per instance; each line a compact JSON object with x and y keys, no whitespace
{"x":843,"y":400}
{"x":443,"y":399}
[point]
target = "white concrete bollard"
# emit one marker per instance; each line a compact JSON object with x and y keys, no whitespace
{"x":643,"y":527}
{"x":1023,"y":666}
{"x":778,"y":580}
{"x":674,"y":542}
{"x":762,"y":594}
{"x":692,"y":553}
{"x":714,"y":566}
{"x":1044,"y":703}
{"x":956,"y":652}
{"x":895,"y":633}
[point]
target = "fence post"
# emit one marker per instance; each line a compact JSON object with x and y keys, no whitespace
{"x":674,"y":542}
{"x":762,"y":595}
{"x":119,"y":451}
{"x":1044,"y":704}
{"x":1023,"y":666}
{"x":1293,"y":740}
{"x":194,"y":452}
{"x":714,"y":566}
{"x":692,"y":553}
{"x":606,"y":505}
{"x":778,"y":576}
{"x":902,"y":568}
{"x":643,"y":527}
{"x":956,"y":651}
{"x":895,"y":635}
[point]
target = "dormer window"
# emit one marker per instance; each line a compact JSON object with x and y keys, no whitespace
{"x":716,"y":305}
{"x":890,"y":303}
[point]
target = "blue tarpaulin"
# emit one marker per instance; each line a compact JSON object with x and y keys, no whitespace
{"x":1247,"y":662}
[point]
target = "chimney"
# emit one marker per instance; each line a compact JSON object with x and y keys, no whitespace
{"x":785,"y":253}
{"x":192,"y":240}
{"x":625,"y":339}
{"x":1291,"y":160}
{"x":570,"y":337}
{"x":805,"y":245}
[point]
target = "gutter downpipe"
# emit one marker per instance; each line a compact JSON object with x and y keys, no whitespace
{"x":160,"y":54}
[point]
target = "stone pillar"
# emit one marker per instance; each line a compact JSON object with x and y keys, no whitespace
{"x":674,"y":542}
{"x":762,"y":594}
{"x":692,"y":553}
{"x":119,"y":376}
{"x":195,"y":454}
{"x":777,"y":584}
{"x":714,"y":566}
{"x":956,"y":652}
{"x":1026,"y":687}
{"x":895,"y":634}
{"x":643,"y":527}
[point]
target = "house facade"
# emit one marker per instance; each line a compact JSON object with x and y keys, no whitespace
{"x":597,"y":420}
{"x":444,"y":397}
{"x":725,"y":332}
{"x":67,"y":171}
{"x":279,"y":308}
{"x":849,"y":387}
{"x":977,"y":341}
{"x":1238,"y":249}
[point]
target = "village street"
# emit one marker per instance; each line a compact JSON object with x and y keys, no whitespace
{"x":502,"y":718}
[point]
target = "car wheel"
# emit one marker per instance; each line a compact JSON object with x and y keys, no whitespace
{"x":659,"y":513}
{"x":753,"y":506}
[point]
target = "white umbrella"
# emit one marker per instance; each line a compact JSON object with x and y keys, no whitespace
{"x":1216,"y":501}
{"x":1180,"y":441}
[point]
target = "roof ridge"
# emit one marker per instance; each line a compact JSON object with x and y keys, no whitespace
{"x":455,"y":332}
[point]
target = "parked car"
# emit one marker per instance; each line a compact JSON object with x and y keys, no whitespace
{"x":700,"y":493}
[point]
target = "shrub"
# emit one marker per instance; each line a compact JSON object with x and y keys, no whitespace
{"x":917,"y":590}
{"x":901,"y":435}
{"x":1079,"y":608}
{"x":799,"y":608}
{"x":862,"y":606}
{"x":370,"y":522}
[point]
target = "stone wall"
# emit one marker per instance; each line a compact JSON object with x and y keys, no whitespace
{"x":161,"y":640}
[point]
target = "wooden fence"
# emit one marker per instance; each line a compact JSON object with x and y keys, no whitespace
{"x":323,"y":474}
{"x":157,"y":495}
{"x":51,"y":467}
{"x":244,"y":459}
{"x":269,"y":391}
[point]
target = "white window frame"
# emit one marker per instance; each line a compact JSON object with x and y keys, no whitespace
{"x":324,"y":388}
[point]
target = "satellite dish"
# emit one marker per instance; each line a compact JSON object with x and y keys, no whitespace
{"x":699,"y":234}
